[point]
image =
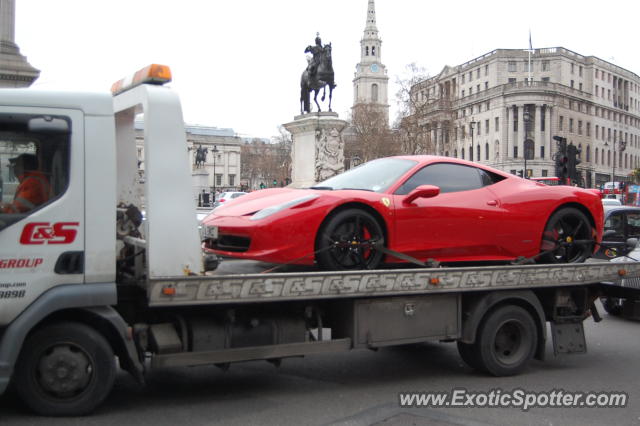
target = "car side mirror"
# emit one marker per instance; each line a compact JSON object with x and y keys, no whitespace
{"x":422,"y":191}
{"x":632,"y":243}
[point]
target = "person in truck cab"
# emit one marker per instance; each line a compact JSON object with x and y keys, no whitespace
{"x":33,"y":188}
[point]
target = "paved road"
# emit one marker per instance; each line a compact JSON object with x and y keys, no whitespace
{"x":361,"y":388}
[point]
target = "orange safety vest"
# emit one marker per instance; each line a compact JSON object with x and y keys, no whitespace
{"x":32,"y":191}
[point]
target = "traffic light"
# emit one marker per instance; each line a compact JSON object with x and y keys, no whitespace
{"x":562,"y":159}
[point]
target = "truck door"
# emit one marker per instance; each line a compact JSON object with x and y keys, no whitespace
{"x":41,"y":204}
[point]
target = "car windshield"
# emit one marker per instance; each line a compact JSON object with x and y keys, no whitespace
{"x":376,"y":175}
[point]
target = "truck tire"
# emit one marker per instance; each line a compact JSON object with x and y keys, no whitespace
{"x":469,"y":354}
{"x":506,"y":341}
{"x":611,"y":306}
{"x":65,"y":369}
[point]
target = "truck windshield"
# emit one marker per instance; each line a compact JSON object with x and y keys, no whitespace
{"x":377,"y":175}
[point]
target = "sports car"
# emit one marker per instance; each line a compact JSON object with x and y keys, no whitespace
{"x":397,"y":208}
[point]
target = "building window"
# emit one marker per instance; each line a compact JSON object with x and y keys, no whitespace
{"x":470,"y":91}
{"x":462,"y":154}
{"x":597,"y":90}
{"x":580,"y":71}
{"x":478,"y":87}
{"x":486,"y":151}
{"x":373,"y":51}
{"x":543,"y":120}
{"x":232,"y":180}
{"x":486,"y":85}
{"x":497,"y":124}
{"x":572,"y":84}
{"x":580,"y":86}
{"x":512,"y":80}
{"x":545,"y":79}
{"x":486,"y":128}
{"x":470,"y":76}
{"x":545,"y":65}
{"x":571,"y":125}
{"x":471,"y":153}
{"x":515,"y":152}
{"x":579,"y":127}
{"x":462,"y":79}
{"x":486,"y":70}
{"x":218,"y":179}
{"x":573,"y":66}
{"x":366,"y":51}
{"x":542,"y":151}
{"x":588,"y":129}
{"x":597,"y":129}
{"x":463,"y":93}
{"x":478,"y":73}
{"x":478,"y":152}
{"x":374,"y":92}
{"x":513,"y":67}
{"x":561,"y":123}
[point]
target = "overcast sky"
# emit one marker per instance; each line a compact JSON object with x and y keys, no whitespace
{"x":237,"y":63}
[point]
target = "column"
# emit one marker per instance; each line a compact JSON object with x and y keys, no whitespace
{"x":506,"y":136}
{"x":7,"y":21}
{"x":521,"y":131}
{"x":538,"y":136}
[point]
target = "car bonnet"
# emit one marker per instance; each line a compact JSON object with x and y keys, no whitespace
{"x":258,"y":200}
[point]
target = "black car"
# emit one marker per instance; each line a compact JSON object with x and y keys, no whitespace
{"x":620,"y":224}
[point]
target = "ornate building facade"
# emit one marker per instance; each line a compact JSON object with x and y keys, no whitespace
{"x":504,"y":108}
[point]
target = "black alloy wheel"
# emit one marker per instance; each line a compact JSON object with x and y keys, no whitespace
{"x":347,"y":241}
{"x":568,"y":238}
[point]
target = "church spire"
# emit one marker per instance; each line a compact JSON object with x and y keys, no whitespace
{"x":371,"y":82}
{"x":370,"y":28}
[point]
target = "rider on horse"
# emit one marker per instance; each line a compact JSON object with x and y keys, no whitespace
{"x":317,"y":52}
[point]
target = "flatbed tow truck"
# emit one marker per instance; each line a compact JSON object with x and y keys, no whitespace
{"x":87,"y":285}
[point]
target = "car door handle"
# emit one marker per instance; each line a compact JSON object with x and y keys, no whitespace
{"x":492,"y":203}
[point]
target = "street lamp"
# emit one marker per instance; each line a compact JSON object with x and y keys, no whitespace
{"x":613,"y":169}
{"x":472,"y":126}
{"x":215,"y":153}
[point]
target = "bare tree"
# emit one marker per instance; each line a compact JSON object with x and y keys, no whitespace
{"x":266,"y":162}
{"x":413,"y":98}
{"x":368,"y":136}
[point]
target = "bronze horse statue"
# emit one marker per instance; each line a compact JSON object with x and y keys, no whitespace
{"x":320,"y":79}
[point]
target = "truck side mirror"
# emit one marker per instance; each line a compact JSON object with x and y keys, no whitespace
{"x":422,"y":191}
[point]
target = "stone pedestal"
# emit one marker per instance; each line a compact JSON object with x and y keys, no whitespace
{"x":200,"y":179}
{"x":318,"y":149}
{"x":15,"y":71}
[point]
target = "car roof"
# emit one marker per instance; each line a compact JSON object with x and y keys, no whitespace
{"x":611,"y":209}
{"x":429,"y":159}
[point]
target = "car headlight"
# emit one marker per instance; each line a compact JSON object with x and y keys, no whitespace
{"x":261,"y":214}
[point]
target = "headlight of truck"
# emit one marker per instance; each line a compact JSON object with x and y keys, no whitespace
{"x":261,"y":214}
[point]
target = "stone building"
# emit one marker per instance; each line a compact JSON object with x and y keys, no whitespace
{"x":498,"y":107}
{"x":222,"y":155}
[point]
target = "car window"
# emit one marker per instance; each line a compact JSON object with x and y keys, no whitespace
{"x":615,"y":224}
{"x":633,"y":224}
{"x":448,"y":177}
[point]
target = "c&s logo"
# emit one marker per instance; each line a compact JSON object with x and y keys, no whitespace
{"x":46,"y":233}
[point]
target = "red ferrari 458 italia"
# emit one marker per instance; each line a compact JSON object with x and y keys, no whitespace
{"x":426,"y":207}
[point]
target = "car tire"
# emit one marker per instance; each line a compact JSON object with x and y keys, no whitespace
{"x":568,"y":237}
{"x":65,"y":369}
{"x":506,"y":341}
{"x":344,"y":242}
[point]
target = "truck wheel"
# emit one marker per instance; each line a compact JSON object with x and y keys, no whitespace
{"x":469,"y":354}
{"x":610,"y":304}
{"x":66,"y":369}
{"x":506,"y":341}
{"x":346,"y":241}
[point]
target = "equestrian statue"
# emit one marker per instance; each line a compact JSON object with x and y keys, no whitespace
{"x":318,"y":75}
